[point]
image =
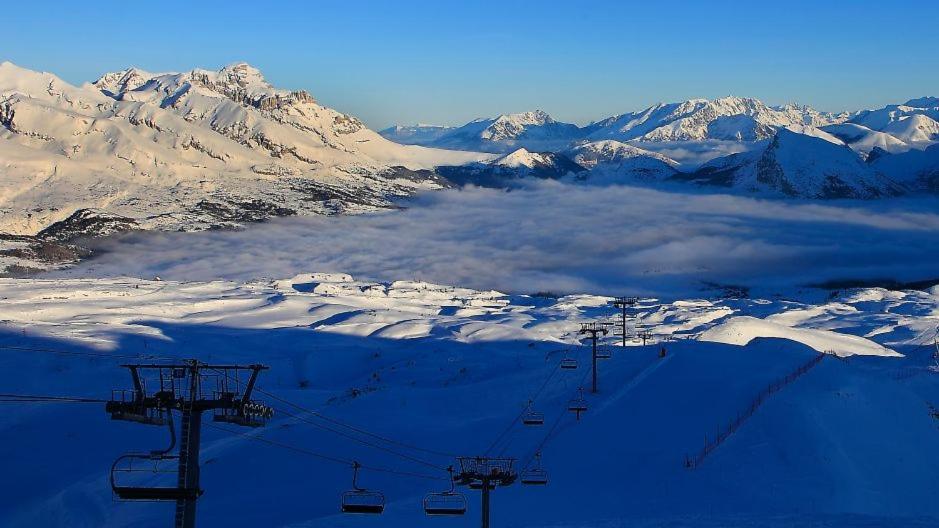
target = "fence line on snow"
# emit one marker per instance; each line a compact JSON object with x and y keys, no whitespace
{"x":710,"y":444}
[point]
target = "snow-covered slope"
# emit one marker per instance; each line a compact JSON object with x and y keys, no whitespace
{"x":406,"y":375}
{"x":917,"y":169}
{"x":864,"y":140}
{"x":794,"y":164}
{"x":617,"y":161}
{"x":883,"y":117}
{"x":189,"y":151}
{"x":532,"y":130}
{"x":419,"y":134}
{"x":727,"y":118}
{"x":510,"y":169}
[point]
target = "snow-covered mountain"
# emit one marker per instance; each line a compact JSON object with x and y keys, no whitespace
{"x":535,"y":130}
{"x":419,"y":134}
{"x":917,"y":169}
{"x":507,"y":170}
{"x":190,"y":150}
{"x":727,"y":118}
{"x":797,"y":165}
{"x":617,"y":161}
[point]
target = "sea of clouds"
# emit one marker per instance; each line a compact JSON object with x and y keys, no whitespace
{"x":561,"y":238}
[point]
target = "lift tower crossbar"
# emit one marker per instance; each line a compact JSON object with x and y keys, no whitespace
{"x":182,"y":388}
{"x":485,"y":473}
{"x":623,"y":304}
{"x":593,"y":331}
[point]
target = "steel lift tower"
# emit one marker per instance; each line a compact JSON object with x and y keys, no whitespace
{"x":593,"y":331}
{"x":484,"y":474}
{"x":623,"y":304}
{"x":160,"y":389}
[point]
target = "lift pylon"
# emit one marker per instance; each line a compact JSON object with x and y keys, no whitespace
{"x":486,"y":473}
{"x":593,"y":331}
{"x":158,"y":391}
{"x":623,"y":304}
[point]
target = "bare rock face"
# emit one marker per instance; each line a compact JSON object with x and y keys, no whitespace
{"x":86,"y":223}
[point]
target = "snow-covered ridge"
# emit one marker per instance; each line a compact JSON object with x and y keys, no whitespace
{"x":190,"y":150}
{"x":895,"y":128}
{"x":410,"y":309}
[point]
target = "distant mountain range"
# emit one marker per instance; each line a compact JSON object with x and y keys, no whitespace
{"x":894,"y":128}
{"x":737,"y":144}
{"x":215,"y":149}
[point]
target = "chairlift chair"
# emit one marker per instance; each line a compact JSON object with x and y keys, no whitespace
{"x":569,"y":363}
{"x":535,"y":476}
{"x":532,"y":417}
{"x":445,"y":503}
{"x":578,"y":404}
{"x":361,"y":500}
{"x":603,"y":353}
{"x":133,"y":482}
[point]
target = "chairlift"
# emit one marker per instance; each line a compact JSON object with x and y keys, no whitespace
{"x":445,"y":503}
{"x":569,"y":363}
{"x":604,"y":353}
{"x":133,"y":475}
{"x":532,"y":417}
{"x":578,"y":404}
{"x":535,"y":476}
{"x":361,"y":500}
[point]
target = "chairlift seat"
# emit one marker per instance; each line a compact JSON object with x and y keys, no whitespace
{"x":533,"y":418}
{"x":363,"y":501}
{"x":577,"y":405}
{"x":445,"y":504}
{"x":535,"y":477}
{"x":569,"y":364}
{"x":155,"y":494}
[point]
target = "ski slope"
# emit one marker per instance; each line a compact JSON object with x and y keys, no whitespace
{"x":443,"y":370}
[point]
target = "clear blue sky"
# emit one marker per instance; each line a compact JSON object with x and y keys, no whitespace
{"x":450,"y":61}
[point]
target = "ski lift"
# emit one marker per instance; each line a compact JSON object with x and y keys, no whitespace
{"x":604,"y":353}
{"x":578,"y":404}
{"x":445,"y":503}
{"x":532,"y":417}
{"x":569,"y":363}
{"x":535,"y":476}
{"x":361,"y":500}
{"x":133,"y":475}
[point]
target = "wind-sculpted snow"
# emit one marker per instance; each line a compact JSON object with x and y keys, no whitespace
{"x":447,"y":368}
{"x":565,"y":238}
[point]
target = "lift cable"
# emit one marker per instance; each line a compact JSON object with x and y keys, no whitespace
{"x":350,"y":427}
{"x":346,"y":462}
{"x":33,"y":398}
{"x":268,"y":394}
{"x":553,"y":429}
{"x":360,"y":440}
{"x":533,"y":397}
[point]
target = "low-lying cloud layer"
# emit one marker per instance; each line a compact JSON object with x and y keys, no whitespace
{"x":561,"y":238}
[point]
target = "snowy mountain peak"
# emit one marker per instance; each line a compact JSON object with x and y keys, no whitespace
{"x":522,"y":158}
{"x":511,"y":126}
{"x":121,"y":81}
